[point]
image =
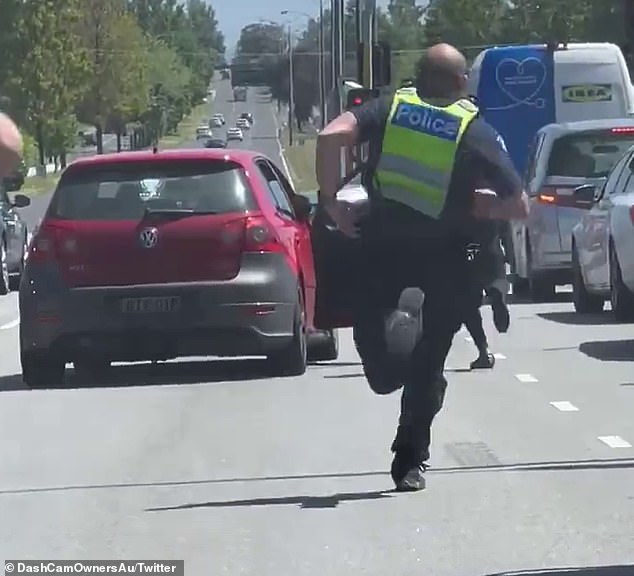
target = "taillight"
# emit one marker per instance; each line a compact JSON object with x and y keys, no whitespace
{"x":547,"y":196}
{"x":51,"y":244}
{"x":260,"y":236}
{"x":42,"y":247}
{"x":564,"y":197}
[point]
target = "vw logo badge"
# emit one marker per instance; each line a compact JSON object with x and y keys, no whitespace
{"x":149,"y":237}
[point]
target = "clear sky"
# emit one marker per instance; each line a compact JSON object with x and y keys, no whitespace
{"x":233,"y":15}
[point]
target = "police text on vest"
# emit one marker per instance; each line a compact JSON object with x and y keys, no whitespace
{"x":427,"y":120}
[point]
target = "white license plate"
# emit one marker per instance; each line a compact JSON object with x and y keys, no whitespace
{"x":151,"y":305}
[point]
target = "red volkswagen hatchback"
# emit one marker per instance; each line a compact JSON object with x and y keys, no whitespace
{"x":158,"y":255}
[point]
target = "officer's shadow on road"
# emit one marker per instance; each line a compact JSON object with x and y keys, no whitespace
{"x":304,"y":502}
{"x":198,"y":372}
{"x":621,"y":570}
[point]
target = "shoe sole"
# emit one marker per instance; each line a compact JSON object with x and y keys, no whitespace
{"x":403,"y":326}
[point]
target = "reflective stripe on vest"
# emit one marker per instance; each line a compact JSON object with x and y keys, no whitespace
{"x":419,"y":150}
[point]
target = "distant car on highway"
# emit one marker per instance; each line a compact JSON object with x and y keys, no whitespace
{"x":603,"y":244}
{"x":13,"y":235}
{"x":215,"y":123}
{"x":215,"y":143}
{"x":219,"y":117}
{"x":243,"y":124}
{"x":247,"y":116}
{"x":235,"y":134}
{"x":217,"y":260}
{"x":563,"y":157}
{"x":203,"y":132}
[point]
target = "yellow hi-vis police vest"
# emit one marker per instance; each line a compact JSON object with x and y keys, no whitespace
{"x":419,"y":150}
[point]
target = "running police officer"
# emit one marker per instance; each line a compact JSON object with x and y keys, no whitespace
{"x":427,"y":151}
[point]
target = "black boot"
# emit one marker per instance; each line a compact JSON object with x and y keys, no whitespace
{"x":484,"y":361}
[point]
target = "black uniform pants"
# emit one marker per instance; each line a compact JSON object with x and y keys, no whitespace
{"x":473,"y":320}
{"x":442,"y":274}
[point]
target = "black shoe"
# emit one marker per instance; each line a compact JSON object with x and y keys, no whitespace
{"x":404,"y":326}
{"x":410,"y":479}
{"x":484,"y":361}
{"x":501,"y":316}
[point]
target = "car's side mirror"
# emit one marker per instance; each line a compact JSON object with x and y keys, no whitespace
{"x":21,"y":201}
{"x":586,"y":193}
{"x":302,"y":206}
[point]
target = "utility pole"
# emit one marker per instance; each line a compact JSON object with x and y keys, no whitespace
{"x":291,"y":86}
{"x":337,"y":52}
{"x":322,"y":66}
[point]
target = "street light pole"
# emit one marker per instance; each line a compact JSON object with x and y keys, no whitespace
{"x":322,"y":66}
{"x":291,"y":87}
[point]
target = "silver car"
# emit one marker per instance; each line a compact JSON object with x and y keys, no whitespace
{"x":563,"y":157}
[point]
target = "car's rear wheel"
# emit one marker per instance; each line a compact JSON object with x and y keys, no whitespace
{"x":621,"y":298}
{"x":541,"y":289}
{"x":42,"y":369}
{"x":325,"y":347}
{"x":92,"y":368}
{"x":584,"y":301}
{"x":293,"y":358}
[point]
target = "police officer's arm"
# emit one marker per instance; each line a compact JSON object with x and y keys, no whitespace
{"x":509,"y":201}
{"x":345,"y":131}
{"x":10,"y":146}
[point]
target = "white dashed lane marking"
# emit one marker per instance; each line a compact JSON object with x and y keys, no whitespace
{"x":526,"y":378}
{"x":469,"y":339}
{"x":10,"y":325}
{"x":564,"y":406}
{"x":499,"y":356}
{"x":615,"y":442}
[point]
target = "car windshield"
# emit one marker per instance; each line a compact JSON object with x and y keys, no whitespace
{"x":590,"y":154}
{"x":128,"y":191}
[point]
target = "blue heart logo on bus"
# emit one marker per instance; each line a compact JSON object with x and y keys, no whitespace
{"x":520,"y":80}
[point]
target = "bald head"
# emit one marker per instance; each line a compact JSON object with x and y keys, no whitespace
{"x":10,"y":146}
{"x":441,"y":73}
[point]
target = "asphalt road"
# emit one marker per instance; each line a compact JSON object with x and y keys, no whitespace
{"x":532,"y":466}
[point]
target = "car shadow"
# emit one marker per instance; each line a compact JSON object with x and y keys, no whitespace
{"x":161,"y":373}
{"x":558,"y":298}
{"x":576,"y":319}
{"x":620,"y":570}
{"x":609,"y":350}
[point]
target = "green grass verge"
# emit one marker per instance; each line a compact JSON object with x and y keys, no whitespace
{"x":186,"y":130}
{"x":301,"y":161}
{"x":36,"y":185}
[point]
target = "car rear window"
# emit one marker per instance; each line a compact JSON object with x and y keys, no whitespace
{"x":127,"y":190}
{"x":589,"y":154}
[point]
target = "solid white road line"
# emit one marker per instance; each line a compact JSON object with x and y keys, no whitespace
{"x":499,"y":356}
{"x":469,"y":339}
{"x":565,"y":406}
{"x":615,"y":442}
{"x":278,"y":131}
{"x":10,"y":325}
{"x":526,"y":378}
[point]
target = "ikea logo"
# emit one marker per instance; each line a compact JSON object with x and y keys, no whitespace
{"x":587,"y":93}
{"x":427,"y":120}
